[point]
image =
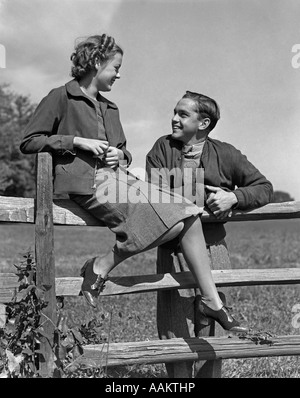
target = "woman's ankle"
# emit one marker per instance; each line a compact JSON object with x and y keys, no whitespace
{"x":212,"y":303}
{"x":103,"y":265}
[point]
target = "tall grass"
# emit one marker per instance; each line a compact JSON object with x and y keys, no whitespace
{"x":258,"y":244}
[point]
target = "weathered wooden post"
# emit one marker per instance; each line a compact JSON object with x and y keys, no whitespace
{"x":177,"y":315}
{"x":213,"y":368}
{"x":44,"y":254}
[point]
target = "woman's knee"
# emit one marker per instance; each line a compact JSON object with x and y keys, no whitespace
{"x":176,"y":230}
{"x":192,"y":222}
{"x":183,"y":226}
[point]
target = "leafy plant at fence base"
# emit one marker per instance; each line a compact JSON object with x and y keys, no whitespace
{"x":21,"y":336}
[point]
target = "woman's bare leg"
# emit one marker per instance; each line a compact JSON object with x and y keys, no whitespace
{"x":190,"y":235}
{"x":193,"y":246}
{"x":103,"y":265}
{"x":195,"y":254}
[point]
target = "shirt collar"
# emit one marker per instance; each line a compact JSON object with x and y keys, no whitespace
{"x":193,"y":149}
{"x":73,"y":88}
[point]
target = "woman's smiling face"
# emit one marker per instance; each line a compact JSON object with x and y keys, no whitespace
{"x":108,"y":72}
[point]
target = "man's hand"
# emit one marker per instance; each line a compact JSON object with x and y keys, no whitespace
{"x":220,"y":202}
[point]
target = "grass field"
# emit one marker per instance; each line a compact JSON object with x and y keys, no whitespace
{"x":267,"y":244}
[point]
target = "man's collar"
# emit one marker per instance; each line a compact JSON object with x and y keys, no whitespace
{"x":193,"y":149}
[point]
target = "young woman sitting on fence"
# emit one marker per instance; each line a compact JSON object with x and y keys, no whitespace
{"x":83,"y":132}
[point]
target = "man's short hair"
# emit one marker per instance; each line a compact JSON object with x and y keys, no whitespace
{"x":206,"y":107}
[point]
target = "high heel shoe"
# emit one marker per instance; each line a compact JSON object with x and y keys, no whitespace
{"x":223,"y":317}
{"x":92,"y":283}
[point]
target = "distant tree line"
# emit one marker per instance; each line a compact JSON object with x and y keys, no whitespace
{"x":281,"y":196}
{"x":17,"y":171}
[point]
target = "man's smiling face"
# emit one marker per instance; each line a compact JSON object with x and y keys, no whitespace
{"x":186,"y":121}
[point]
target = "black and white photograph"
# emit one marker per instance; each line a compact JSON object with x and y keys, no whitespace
{"x":149,"y":191}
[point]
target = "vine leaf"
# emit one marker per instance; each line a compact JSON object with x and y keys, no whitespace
{"x":4,"y":375}
{"x":13,"y":361}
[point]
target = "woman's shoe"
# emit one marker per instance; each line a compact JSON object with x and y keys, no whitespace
{"x":223,"y":317}
{"x":92,"y":283}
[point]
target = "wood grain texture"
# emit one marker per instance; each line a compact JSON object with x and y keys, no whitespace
{"x":44,"y":257}
{"x":179,"y":349}
{"x":70,"y":286}
{"x":66,"y":212}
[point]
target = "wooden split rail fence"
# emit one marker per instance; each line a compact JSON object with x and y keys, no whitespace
{"x":45,"y":212}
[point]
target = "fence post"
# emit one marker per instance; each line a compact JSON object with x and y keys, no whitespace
{"x":44,"y":254}
{"x":213,"y":368}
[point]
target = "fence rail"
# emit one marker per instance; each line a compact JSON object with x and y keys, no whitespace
{"x":44,"y":212}
{"x":193,"y":349}
{"x":67,"y":212}
{"x":70,"y":286}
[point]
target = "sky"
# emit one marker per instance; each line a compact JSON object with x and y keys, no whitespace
{"x":239,"y":52}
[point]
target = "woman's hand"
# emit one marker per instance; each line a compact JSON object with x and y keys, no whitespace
{"x":98,"y":147}
{"x":113,"y":156}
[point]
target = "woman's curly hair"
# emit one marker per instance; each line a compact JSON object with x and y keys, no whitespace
{"x":91,"y":51}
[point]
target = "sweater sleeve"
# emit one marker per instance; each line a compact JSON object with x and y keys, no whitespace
{"x":41,"y":132}
{"x":127,"y":155}
{"x":252,"y":188}
{"x":156,"y":171}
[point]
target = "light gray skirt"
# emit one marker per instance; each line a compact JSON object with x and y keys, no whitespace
{"x":137,"y":212}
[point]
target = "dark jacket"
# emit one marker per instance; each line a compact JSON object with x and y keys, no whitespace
{"x":224,"y":166}
{"x":63,"y":114}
